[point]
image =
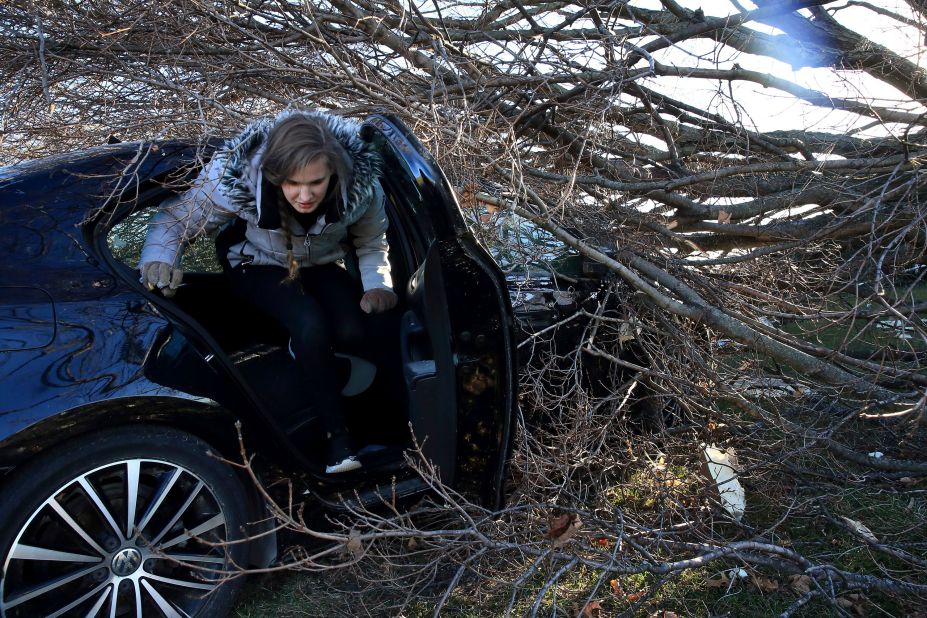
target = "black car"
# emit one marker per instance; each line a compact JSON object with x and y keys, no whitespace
{"x":118,"y":407}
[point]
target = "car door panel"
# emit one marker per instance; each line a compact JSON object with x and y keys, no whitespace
{"x":466,"y":312}
{"x":428,"y":366}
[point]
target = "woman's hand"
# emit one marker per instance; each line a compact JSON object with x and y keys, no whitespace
{"x":161,"y":276}
{"x":378,"y":300}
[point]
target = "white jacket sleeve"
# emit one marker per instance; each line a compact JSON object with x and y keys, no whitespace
{"x":180,"y":219}
{"x":369,"y":234}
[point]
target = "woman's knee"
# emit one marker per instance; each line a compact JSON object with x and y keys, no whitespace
{"x":349,"y":334}
{"x":310,"y":338}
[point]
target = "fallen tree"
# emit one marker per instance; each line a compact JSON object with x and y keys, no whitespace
{"x":564,"y":110}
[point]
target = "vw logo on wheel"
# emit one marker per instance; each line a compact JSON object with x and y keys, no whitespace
{"x":126,"y":562}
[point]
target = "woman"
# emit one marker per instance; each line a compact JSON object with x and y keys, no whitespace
{"x":303,"y":184}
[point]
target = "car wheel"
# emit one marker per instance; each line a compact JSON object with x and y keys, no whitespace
{"x":128,"y":522}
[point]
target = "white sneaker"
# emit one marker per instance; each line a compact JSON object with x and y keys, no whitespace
{"x":345,"y":465}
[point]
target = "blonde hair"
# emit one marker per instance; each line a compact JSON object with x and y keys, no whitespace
{"x":292,"y":144}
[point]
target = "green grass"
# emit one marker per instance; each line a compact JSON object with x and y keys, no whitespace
{"x":691,"y":593}
{"x":899,"y":517}
{"x":861,"y":336}
{"x":271,"y":595}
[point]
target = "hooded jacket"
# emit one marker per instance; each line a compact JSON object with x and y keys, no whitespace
{"x":232,"y":185}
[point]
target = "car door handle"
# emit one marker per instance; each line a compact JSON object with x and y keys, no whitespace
{"x":414,"y":344}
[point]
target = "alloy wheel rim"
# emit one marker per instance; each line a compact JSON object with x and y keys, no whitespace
{"x":130,"y":538}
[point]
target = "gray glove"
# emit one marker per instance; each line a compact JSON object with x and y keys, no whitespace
{"x":378,"y":300}
{"x":162,"y":276}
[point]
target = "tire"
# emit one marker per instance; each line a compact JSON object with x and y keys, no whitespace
{"x":69,"y":547}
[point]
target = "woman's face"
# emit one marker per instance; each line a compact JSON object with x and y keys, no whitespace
{"x":305,"y":188}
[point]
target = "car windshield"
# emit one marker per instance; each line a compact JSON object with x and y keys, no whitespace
{"x":521,"y":248}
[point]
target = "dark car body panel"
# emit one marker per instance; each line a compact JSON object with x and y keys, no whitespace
{"x":101,"y":331}
{"x":27,"y":318}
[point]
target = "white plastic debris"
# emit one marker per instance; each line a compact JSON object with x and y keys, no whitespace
{"x":860,"y":528}
{"x":737,"y":574}
{"x":721,"y":469}
{"x":877,"y":454}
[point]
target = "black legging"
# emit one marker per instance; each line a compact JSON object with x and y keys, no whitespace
{"x":321,"y":312}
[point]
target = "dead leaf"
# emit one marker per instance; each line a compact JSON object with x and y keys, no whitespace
{"x":732,"y":458}
{"x":562,"y":528}
{"x":628,"y":331}
{"x":854,"y":603}
{"x":634,"y":597}
{"x":724,"y":216}
{"x":799,"y":584}
{"x":763,"y":583}
{"x":672,"y":225}
{"x":592,"y":609}
{"x":354,"y":545}
{"x":468,"y":195}
{"x":660,"y":464}
{"x":720,"y":582}
{"x":616,"y":588}
{"x":412,"y":544}
{"x":558,"y":525}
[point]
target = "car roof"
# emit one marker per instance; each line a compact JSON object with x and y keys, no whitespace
{"x":74,"y":158}
{"x":105,"y":157}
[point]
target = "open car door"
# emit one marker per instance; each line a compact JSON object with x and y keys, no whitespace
{"x":456,"y":332}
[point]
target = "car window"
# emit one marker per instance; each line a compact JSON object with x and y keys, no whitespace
{"x":520,"y":247}
{"x":125,"y":240}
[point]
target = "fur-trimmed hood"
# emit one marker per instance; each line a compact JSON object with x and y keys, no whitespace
{"x":245,"y":187}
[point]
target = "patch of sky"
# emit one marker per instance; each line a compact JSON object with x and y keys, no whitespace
{"x":780,"y":109}
{"x":795,"y":212}
{"x":646,"y":140}
{"x":882,"y":29}
{"x":764,"y":29}
{"x":653,"y":5}
{"x":452,"y":10}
